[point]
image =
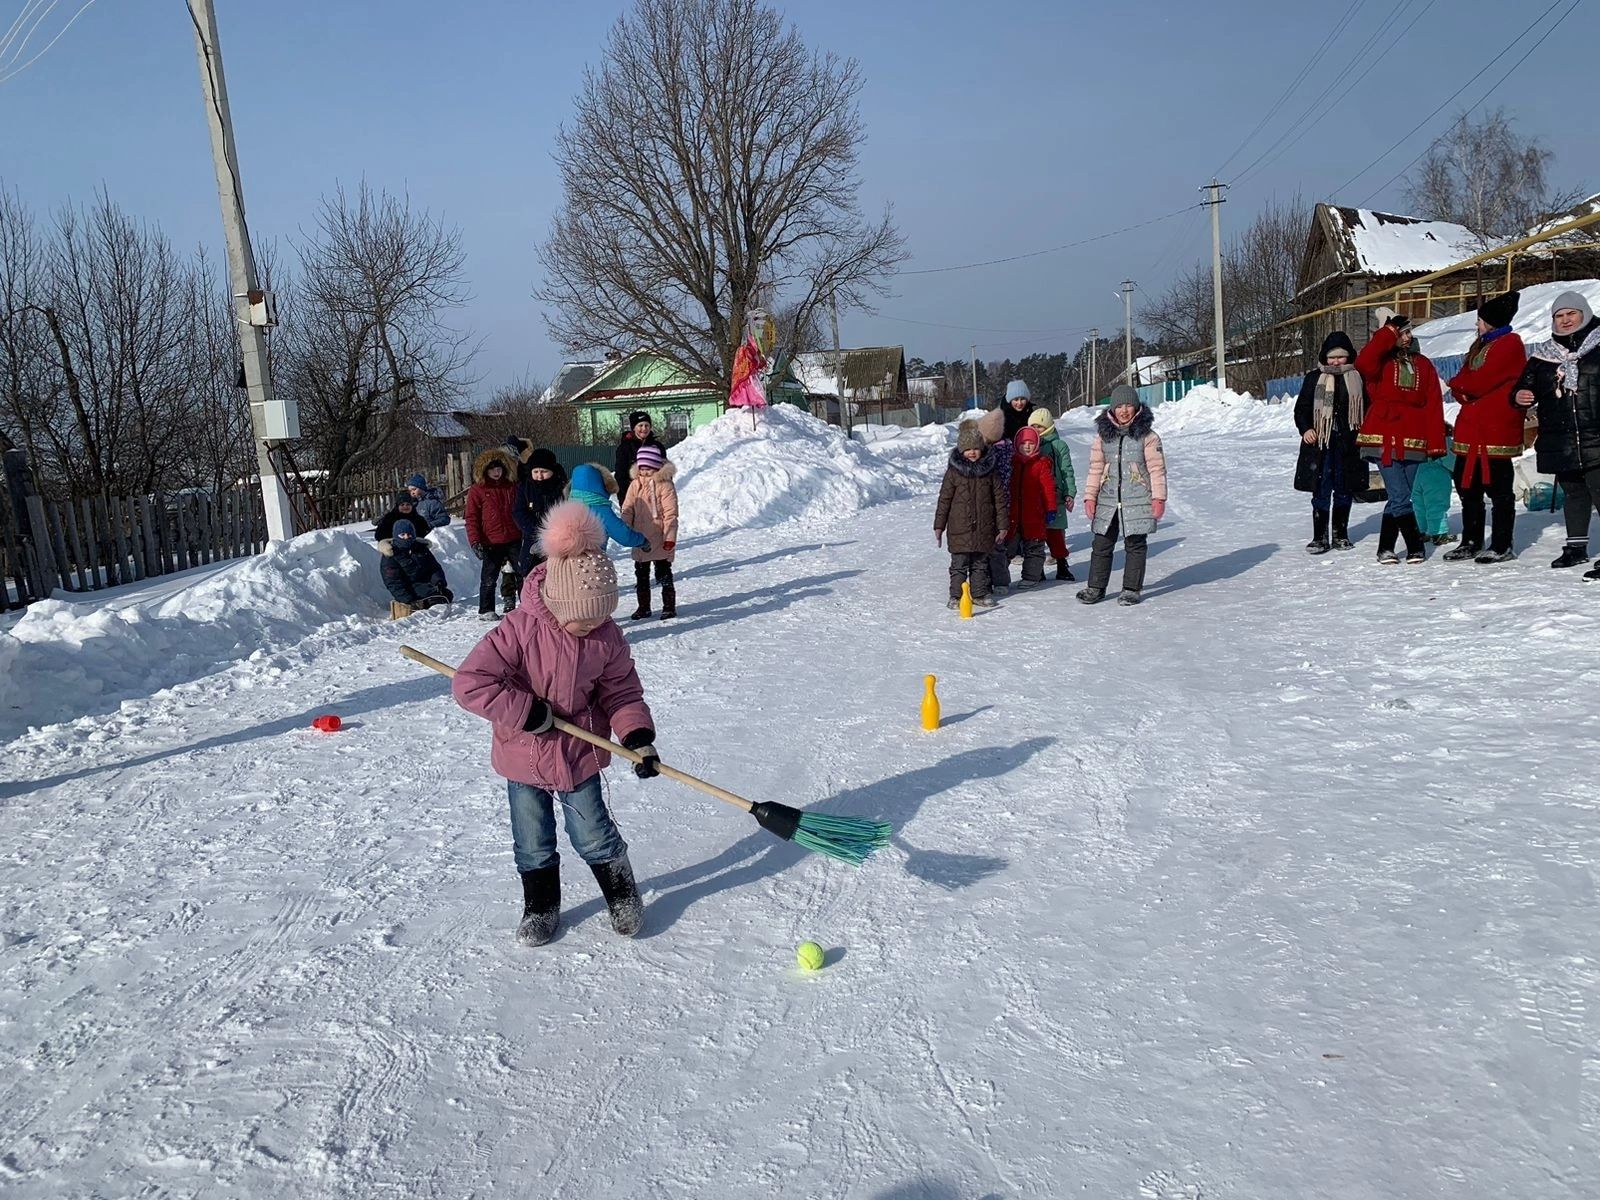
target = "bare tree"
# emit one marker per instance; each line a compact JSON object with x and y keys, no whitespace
{"x":366,"y":346}
{"x":1485,"y":175}
{"x":711,"y":160}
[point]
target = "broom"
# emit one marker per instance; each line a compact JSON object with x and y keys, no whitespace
{"x":848,"y":839}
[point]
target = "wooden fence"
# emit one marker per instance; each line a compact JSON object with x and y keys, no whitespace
{"x":97,"y":542}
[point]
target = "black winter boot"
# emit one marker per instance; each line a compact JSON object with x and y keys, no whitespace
{"x":669,"y":601}
{"x":1572,"y":555}
{"x":641,"y":590}
{"x":1065,"y":572}
{"x":1388,"y":533}
{"x":541,"y":905}
{"x":622,"y":894}
{"x":1412,"y":533}
{"x":1341,"y":528}
{"x":1319,"y":533}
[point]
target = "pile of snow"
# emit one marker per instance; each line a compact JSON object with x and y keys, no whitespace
{"x":793,"y":467}
{"x":63,"y":658}
{"x":1454,"y":335}
{"x":1210,"y":409}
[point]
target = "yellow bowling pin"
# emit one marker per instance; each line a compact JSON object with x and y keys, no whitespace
{"x":930,"y":704}
{"x":966,"y":600}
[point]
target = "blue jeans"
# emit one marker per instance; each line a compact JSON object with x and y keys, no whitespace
{"x":1398,"y":480}
{"x":590,"y":829}
{"x":1331,"y":489}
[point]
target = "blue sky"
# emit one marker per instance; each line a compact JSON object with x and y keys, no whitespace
{"x":994,"y":129}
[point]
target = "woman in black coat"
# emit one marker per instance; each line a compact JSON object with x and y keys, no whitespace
{"x":1563,"y":378}
{"x":1328,"y":414}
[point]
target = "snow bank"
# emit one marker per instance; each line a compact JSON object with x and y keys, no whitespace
{"x":63,"y":658}
{"x":793,"y":467}
{"x":1454,"y":335}
{"x":1209,"y":409}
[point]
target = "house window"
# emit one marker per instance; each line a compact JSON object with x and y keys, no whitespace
{"x":1412,"y":302}
{"x":677,"y":425}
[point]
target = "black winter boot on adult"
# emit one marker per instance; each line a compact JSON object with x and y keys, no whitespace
{"x":1465,"y":551}
{"x":1319,"y":533}
{"x":1388,"y":533}
{"x":541,"y":905}
{"x":1593,"y":573}
{"x":1412,"y":533}
{"x":641,"y":590}
{"x":1341,"y":529}
{"x":622,"y":894}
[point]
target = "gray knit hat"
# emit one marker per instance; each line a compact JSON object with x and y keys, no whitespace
{"x":1575,"y":300}
{"x":1123,"y":393}
{"x":969,"y":436}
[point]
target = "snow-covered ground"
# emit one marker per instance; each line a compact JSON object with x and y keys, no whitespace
{"x":1280,"y":885}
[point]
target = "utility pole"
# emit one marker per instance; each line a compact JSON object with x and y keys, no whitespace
{"x":1215,"y":203}
{"x":975,"y":404}
{"x":1094,"y":369}
{"x":1127,"y":326}
{"x":271,"y":420}
{"x":838,"y":375}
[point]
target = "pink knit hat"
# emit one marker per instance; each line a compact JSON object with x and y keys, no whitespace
{"x":580,"y":584}
{"x":651,"y":458}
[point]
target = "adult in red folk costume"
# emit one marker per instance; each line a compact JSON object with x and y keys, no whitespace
{"x":1404,"y":426}
{"x":1488,"y":432}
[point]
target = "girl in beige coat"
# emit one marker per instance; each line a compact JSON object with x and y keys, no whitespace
{"x":651,"y":508}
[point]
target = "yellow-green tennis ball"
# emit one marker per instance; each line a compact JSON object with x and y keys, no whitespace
{"x":809,"y":955}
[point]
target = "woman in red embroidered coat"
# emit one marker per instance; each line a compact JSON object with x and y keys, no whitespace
{"x":1404,"y":426}
{"x":1488,"y":432}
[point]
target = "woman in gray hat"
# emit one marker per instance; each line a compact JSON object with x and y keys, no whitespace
{"x":1563,"y":379}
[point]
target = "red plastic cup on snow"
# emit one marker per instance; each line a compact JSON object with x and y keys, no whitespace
{"x":328,"y":723}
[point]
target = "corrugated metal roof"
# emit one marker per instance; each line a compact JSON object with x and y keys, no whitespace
{"x":571,"y":379}
{"x":865,"y":371}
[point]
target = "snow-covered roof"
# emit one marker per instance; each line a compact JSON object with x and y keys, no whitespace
{"x":1376,"y":243}
{"x":571,"y":379}
{"x":443,"y":425}
{"x":1584,"y":236}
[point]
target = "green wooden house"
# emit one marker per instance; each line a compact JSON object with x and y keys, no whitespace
{"x":678,"y":400}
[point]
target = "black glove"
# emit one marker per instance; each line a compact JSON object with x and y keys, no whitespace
{"x":1398,"y":321}
{"x":477,"y":549}
{"x":640,"y":741}
{"x":540,"y":718}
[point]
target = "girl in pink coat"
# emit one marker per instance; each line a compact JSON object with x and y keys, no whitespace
{"x":651,"y":508}
{"x":559,"y":654}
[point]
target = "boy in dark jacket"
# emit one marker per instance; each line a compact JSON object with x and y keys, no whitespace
{"x":404,"y":509}
{"x":541,"y":485}
{"x":410,"y":571}
{"x":973,"y":507}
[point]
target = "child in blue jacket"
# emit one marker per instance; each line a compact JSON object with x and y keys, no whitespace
{"x":593,"y":485}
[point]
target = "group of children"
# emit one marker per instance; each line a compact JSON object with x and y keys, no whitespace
{"x":514,"y":487}
{"x":1009,"y":486}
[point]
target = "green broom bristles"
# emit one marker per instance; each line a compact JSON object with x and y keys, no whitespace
{"x":849,"y":839}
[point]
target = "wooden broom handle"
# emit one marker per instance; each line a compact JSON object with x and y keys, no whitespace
{"x":594,"y":739}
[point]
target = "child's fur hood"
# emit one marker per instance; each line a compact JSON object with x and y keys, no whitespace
{"x":666,"y":473}
{"x":1143,"y":422}
{"x":985,"y":465}
{"x":481,"y":465}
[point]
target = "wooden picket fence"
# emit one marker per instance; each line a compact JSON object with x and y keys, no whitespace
{"x":98,"y":542}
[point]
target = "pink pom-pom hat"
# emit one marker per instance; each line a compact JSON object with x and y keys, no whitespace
{"x":580,"y":584}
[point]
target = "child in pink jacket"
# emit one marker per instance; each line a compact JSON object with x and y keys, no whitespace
{"x":651,"y":508}
{"x":559,"y":654}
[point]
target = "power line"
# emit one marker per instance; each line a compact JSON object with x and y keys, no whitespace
{"x":1099,"y":237}
{"x":1295,"y":81}
{"x":18,"y":70}
{"x":1451,"y":98}
{"x":1526,"y":55}
{"x":1314,"y":112}
{"x":1327,"y":109}
{"x":974,"y":328}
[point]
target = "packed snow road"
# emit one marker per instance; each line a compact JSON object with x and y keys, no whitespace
{"x":1281,"y":884}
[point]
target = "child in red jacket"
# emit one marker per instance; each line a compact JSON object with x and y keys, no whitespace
{"x":492,"y":529}
{"x":1033,"y":506}
{"x":1488,"y":432}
